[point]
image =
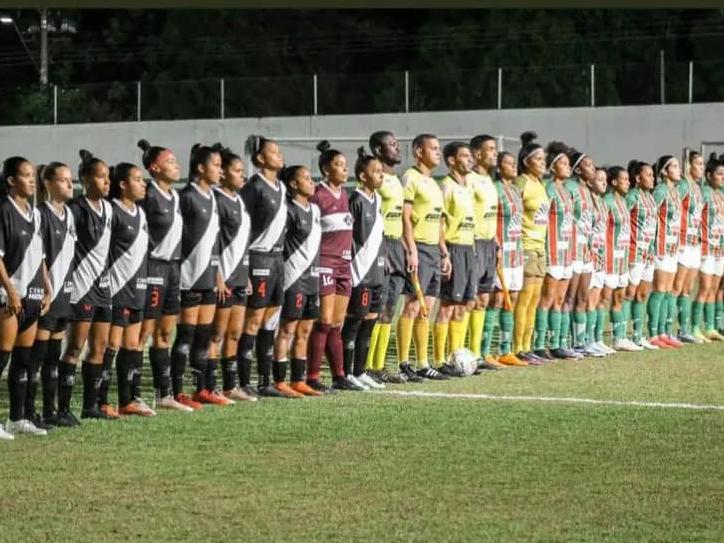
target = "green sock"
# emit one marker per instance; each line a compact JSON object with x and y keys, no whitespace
{"x":506,"y":330}
{"x":541,"y":327}
{"x":663,"y":313}
{"x":618,"y":324}
{"x":671,"y":316}
{"x":565,"y":328}
{"x":709,"y":311}
{"x":719,"y":316}
{"x":626,"y":316}
{"x":684,"y":303}
{"x":600,"y":321}
{"x":637,"y":316}
{"x":697,"y":315}
{"x":555,"y":325}
{"x":579,"y":328}
{"x":654,"y":309}
{"x":591,"y":317}
{"x":491,"y":316}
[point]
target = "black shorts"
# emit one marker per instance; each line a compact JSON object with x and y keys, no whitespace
{"x":84,"y":312}
{"x":462,"y":285}
{"x":397,"y":268}
{"x":266,"y":272}
{"x":298,"y":306}
{"x":123,"y":316}
{"x":366,"y":299}
{"x":428,"y":271}
{"x":163,"y":291}
{"x":237,"y":297}
{"x":29,"y":313}
{"x":485,"y":258}
{"x":192,"y":298}
{"x":52,"y":324}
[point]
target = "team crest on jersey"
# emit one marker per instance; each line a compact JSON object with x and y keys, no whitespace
{"x":348,"y":219}
{"x":540,"y":217}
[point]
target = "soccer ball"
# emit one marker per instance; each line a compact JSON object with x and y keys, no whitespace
{"x":464,"y":361}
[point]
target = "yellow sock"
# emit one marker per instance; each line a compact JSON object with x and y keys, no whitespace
{"x":530,"y":317}
{"x":477,"y":321}
{"x":439,"y":342}
{"x":520,"y":316}
{"x":457,"y":335}
{"x":370,"y":362}
{"x":421,"y":333}
{"x":383,"y":341}
{"x":466,"y":324}
{"x":404,"y":339}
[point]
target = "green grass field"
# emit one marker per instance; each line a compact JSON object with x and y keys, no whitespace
{"x":383,"y":467}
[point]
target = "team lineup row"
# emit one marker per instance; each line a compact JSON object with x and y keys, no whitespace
{"x":278,"y":268}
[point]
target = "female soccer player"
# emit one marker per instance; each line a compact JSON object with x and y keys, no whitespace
{"x":235,"y":229}
{"x":642,"y":212}
{"x":559,"y":252}
{"x":689,"y":258}
{"x":712,"y":240}
{"x":58,"y":233}
{"x":532,"y":168}
{"x":127,"y":270}
{"x":90,"y":295}
{"x":201,"y":282}
{"x":165,"y":227}
{"x":368,"y":269}
{"x":301,"y":280}
{"x":662,"y":303}
{"x":25,"y":290}
{"x":618,"y":240}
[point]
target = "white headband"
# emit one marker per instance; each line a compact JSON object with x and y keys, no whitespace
{"x":578,"y":160}
{"x":558,"y":157}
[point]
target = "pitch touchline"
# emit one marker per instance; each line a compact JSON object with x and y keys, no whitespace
{"x":551,"y":399}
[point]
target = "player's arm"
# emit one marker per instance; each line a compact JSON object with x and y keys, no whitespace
{"x":408,"y":238}
{"x":445,"y":265}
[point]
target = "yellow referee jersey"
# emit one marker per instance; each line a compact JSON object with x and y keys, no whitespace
{"x":459,"y":212}
{"x":425,"y":196}
{"x":392,"y":197}
{"x":485,"y":200}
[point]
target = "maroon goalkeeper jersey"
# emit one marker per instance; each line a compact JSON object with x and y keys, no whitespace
{"x":336,"y":245}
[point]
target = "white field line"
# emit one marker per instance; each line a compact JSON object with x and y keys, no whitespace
{"x":551,"y":399}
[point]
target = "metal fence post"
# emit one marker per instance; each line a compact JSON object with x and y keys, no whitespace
{"x":663,"y":78}
{"x":691,"y":81}
{"x":314,"y":81}
{"x":500,"y":87}
{"x":593,"y":85}
{"x":138,"y":101}
{"x":55,"y":104}
{"x":407,"y":91}
{"x":221,"y":95}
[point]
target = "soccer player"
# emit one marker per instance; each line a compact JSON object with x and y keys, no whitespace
{"x":127,"y":271}
{"x":163,"y":302}
{"x":712,"y":240}
{"x":234,"y":232}
{"x":559,"y":252}
{"x":58,"y":233}
{"x":689,"y":258}
{"x":385,"y":147}
{"x":368,"y":269}
{"x":460,"y":285}
{"x":662,"y":303}
{"x":618,"y":240}
{"x":427,"y":259}
{"x":642,"y":210}
{"x":301,"y":279}
{"x":484,"y":315}
{"x":200,"y":279}
{"x":24,"y":289}
{"x":90,"y":295}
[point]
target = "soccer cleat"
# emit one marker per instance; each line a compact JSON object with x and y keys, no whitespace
{"x":590,"y":350}
{"x":217,"y":398}
{"x":66,"y":419}
{"x":700,"y":336}
{"x":395,"y":378}
{"x":689,"y":338}
{"x":110,"y":411}
{"x":268,"y":391}
{"x":355,"y":381}
{"x":432,"y":374}
{"x":672,"y":341}
{"x":643,"y":342}
{"x":545,"y":355}
{"x":93,"y":413}
{"x":136,"y":408}
{"x":7,"y":436}
{"x":250,"y":391}
{"x":342,"y":383}
{"x":713,"y":335}
{"x":488,"y":363}
{"x":23,"y":426}
{"x":626,"y":346}
{"x":408,"y":371}
{"x":168,"y":402}
{"x":605,"y":348}
{"x":185,"y":399}
{"x":658,"y":341}
{"x":287,"y":391}
{"x":40,"y":422}
{"x":450,"y":371}
{"x":371,"y":383}
{"x":320,"y":387}
{"x":561,"y":354}
{"x":304,"y":388}
{"x":240,"y":394}
{"x":510,"y":359}
{"x":535,"y":360}
{"x":494,"y":361}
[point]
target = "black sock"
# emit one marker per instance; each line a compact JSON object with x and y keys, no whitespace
{"x":297,"y":366}
{"x":18,"y":381}
{"x":264,"y":355}
{"x":244,"y":357}
{"x":49,"y":376}
{"x":137,"y":366}
{"x":108,"y":358}
{"x":161,"y":368}
{"x":4,"y":359}
{"x":180,"y":355}
{"x":91,"y":383}
{"x":349,"y":336}
{"x":66,"y":381}
{"x":362,"y":346}
{"x":37,"y":359}
{"x":211,"y":366}
{"x":228,"y":373}
{"x":200,"y":353}
{"x":279,"y":370}
{"x":124,"y":375}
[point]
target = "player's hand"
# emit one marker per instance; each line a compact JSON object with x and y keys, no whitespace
{"x":45,"y":303}
{"x":222,"y":291}
{"x":412,"y":261}
{"x":249,"y":288}
{"x":446,"y":267}
{"x":15,"y":304}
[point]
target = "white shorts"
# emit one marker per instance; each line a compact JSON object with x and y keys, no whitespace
{"x":614,"y":281}
{"x":690,"y":257}
{"x":666,"y":264}
{"x":560,"y":273}
{"x":640,"y":272}
{"x":712,"y":265}
{"x":580,"y":267}
{"x":597,"y":279}
{"x":513,"y":279}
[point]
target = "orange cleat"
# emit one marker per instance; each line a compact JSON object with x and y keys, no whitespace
{"x":286,"y":391}
{"x":186,"y":400}
{"x":212,"y":397}
{"x":511,"y":360}
{"x":110,"y":411}
{"x":137,"y":408}
{"x":304,"y":388}
{"x":671,"y":341}
{"x":659,"y":342}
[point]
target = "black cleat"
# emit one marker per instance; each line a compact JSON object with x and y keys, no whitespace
{"x":432,"y":374}
{"x":545,"y":354}
{"x":93,"y":413}
{"x":319,"y":386}
{"x":342,"y":383}
{"x":409,"y":373}
{"x":66,"y":419}
{"x":251,"y":391}
{"x":450,"y":371}
{"x":269,"y":391}
{"x":562,"y":354}
{"x":40,"y":422}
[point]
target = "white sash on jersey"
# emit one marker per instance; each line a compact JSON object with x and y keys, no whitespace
{"x":170,"y":241}
{"x":367,"y":254}
{"x":64,"y":259}
{"x":127,"y":265}
{"x":28,"y":268}
{"x":299,"y":261}
{"x":269,"y":237}
{"x":234,"y":252}
{"x":337,"y":222}
{"x":94,"y":263}
{"x":199,"y":259}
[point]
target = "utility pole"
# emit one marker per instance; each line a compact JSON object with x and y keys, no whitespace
{"x":43,"y":46}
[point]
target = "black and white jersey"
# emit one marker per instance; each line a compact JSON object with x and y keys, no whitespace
{"x":21,"y":248}
{"x":90,"y":264}
{"x":301,"y":248}
{"x":267,"y":206}
{"x":199,"y":245}
{"x":234,"y":231}
{"x":165,"y":225}
{"x":58,"y":232}
{"x":368,"y":247}
{"x":127,"y":256}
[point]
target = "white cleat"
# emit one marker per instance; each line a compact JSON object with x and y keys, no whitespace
{"x":370,"y":382}
{"x":7,"y":436}
{"x":626,"y":346}
{"x":643,"y":342}
{"x":605,"y":348}
{"x":170,"y":403}
{"x":24,"y":426}
{"x":356,"y":381}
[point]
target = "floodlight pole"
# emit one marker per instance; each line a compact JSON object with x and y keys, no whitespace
{"x":10,"y":21}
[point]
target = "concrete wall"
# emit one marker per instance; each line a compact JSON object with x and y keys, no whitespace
{"x":611,"y":135}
